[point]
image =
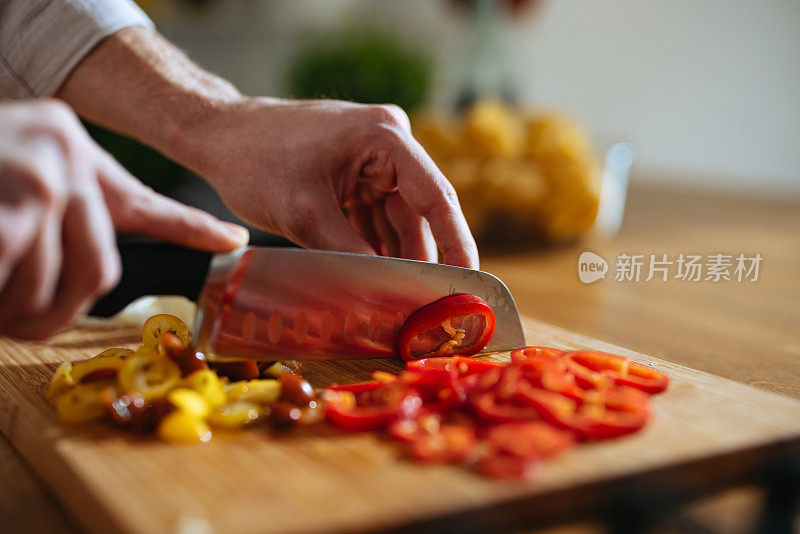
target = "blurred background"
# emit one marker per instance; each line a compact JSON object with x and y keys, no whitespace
{"x":526,"y":105}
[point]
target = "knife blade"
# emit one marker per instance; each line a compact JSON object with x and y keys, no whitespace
{"x":288,"y":303}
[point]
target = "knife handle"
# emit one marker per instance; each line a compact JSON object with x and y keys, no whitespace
{"x":154,"y":268}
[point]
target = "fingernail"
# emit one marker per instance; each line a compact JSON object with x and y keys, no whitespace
{"x":240,"y":234}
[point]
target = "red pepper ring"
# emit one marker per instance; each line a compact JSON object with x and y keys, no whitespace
{"x":597,"y":367}
{"x":364,"y":407}
{"x":523,"y":353}
{"x":440,"y":313}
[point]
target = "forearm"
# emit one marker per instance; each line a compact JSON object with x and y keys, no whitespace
{"x":138,"y":84}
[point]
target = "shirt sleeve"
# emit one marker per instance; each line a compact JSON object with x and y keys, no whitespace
{"x":41,"y":41}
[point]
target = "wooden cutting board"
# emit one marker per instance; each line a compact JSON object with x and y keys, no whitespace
{"x":705,"y":430}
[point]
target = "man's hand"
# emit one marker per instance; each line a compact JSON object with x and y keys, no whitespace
{"x":61,"y":197}
{"x":325,"y":174}
{"x":330,"y":175}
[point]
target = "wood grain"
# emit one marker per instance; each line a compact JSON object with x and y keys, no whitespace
{"x":320,"y":480}
{"x":743,"y":331}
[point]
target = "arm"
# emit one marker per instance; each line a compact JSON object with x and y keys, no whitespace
{"x":326,"y":174}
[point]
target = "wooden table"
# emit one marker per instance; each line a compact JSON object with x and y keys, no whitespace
{"x":740,"y":330}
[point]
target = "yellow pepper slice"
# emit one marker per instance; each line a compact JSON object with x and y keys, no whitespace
{"x":86,"y":367}
{"x":189,"y":402}
{"x":181,"y":428}
{"x":259,"y":391}
{"x":80,"y":404}
{"x":236,"y":414}
{"x":149,"y":374}
{"x":208,"y":384}
{"x":61,"y":382}
{"x":157,"y":325}
{"x":116,"y":353}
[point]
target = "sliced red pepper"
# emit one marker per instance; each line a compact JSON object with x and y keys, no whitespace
{"x":460,"y":365}
{"x":598,"y":368}
{"x":451,"y":444}
{"x":506,"y":467}
{"x":612,"y":412}
{"x":530,"y":439}
{"x":644,"y":378}
{"x":523,"y":353}
{"x":358,"y":387}
{"x":489,"y":408}
{"x":551,"y":375}
{"x":456,"y":324}
{"x":371,"y":409}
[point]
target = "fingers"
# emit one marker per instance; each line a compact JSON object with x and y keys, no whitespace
{"x":32,"y":286}
{"x":32,"y":205}
{"x":137,"y":209}
{"x":91,"y":266}
{"x":425,"y":189}
{"x":321,"y":224}
{"x":360,"y":218}
{"x":389,"y":240}
{"x":412,"y":230}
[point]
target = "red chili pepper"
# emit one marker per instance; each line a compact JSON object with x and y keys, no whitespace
{"x":597,"y":368}
{"x":456,"y":324}
{"x":371,"y":409}
{"x":525,"y":411}
{"x":505,"y":467}
{"x":529,"y":439}
{"x":451,"y":444}
{"x":489,"y":408}
{"x":612,"y":412}
{"x":523,"y":353}
{"x":460,"y":365}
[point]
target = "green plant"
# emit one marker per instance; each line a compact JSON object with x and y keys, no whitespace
{"x":362,"y":67}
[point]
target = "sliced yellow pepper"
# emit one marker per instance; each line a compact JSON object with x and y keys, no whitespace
{"x":149,"y":374}
{"x":61,"y":382}
{"x":236,"y":414}
{"x":86,"y":367}
{"x":157,"y":325}
{"x":208,"y":384}
{"x":80,"y":404}
{"x":181,"y":428}
{"x":117,"y":353}
{"x":259,"y":391}
{"x":189,"y":402}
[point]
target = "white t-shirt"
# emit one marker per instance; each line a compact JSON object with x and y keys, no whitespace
{"x":41,"y":41}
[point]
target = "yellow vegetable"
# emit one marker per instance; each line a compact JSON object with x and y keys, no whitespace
{"x":260,"y":391}
{"x":61,"y":382}
{"x":81,"y":404}
{"x":118,"y":353}
{"x":86,"y":367}
{"x":207,"y":384}
{"x":181,"y":428}
{"x":157,"y":325}
{"x":494,"y":129}
{"x":148,"y":373}
{"x":516,"y":174}
{"x":189,"y":402}
{"x":236,"y":414}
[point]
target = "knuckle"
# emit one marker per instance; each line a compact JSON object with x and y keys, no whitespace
{"x":55,"y":110}
{"x":390,"y":114}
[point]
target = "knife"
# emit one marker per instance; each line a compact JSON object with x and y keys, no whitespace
{"x":289,"y":303}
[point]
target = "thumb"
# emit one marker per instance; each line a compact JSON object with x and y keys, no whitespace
{"x":137,"y":209}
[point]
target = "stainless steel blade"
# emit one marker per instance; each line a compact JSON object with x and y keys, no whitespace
{"x":288,"y":303}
